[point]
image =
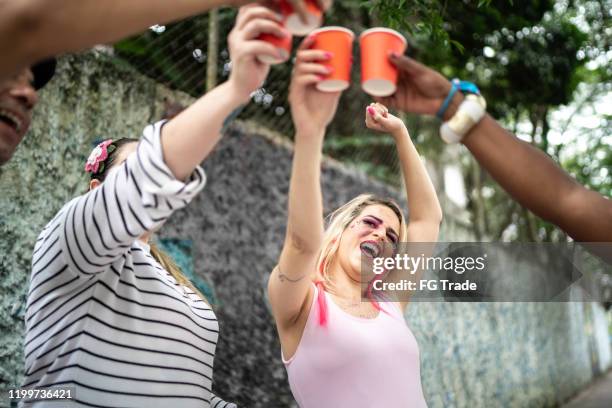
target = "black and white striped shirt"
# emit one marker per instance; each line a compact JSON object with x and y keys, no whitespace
{"x":102,"y":315}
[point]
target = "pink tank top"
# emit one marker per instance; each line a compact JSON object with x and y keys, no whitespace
{"x":356,"y":363}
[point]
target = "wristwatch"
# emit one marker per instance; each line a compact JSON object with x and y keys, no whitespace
{"x":470,"y":112}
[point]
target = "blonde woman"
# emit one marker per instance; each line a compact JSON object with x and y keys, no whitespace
{"x":107,"y":314}
{"x":340,"y":351}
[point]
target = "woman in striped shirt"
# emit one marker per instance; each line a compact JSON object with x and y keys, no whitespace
{"x":104,"y":316}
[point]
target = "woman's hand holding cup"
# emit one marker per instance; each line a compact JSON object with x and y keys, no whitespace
{"x":311,"y":109}
{"x":304,"y":15}
{"x":248,"y":71}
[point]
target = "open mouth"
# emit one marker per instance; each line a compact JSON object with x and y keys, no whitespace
{"x":11,"y":120}
{"x":370,"y":249}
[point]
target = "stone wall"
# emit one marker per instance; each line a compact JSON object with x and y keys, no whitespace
{"x":472,"y":355}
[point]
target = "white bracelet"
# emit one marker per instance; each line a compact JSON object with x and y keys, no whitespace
{"x":470,"y":112}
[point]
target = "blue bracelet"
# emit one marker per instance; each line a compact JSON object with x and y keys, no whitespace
{"x":449,"y":98}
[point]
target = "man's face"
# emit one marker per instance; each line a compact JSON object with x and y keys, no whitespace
{"x":17,"y":99}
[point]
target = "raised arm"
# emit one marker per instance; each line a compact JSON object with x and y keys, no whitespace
{"x":184,"y":146}
{"x":31,"y":30}
{"x":138,"y":195}
{"x":425,"y":214}
{"x":525,"y":172}
{"x":291,"y":280}
{"x":534,"y":180}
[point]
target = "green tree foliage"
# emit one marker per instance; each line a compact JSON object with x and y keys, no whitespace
{"x":528,"y":57}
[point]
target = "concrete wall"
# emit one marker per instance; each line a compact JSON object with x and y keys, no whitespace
{"x":472,"y":355}
{"x":601,"y":337}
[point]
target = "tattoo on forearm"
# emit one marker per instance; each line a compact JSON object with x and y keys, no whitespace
{"x":284,"y":278}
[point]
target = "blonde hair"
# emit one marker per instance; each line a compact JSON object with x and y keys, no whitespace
{"x":339,"y":220}
{"x":168,"y":264}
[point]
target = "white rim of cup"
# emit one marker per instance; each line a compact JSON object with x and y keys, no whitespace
{"x":367,"y":87}
{"x":384,"y":30}
{"x":333,"y":28}
{"x":341,"y":85}
{"x":294,"y":24}
{"x":268,"y":59}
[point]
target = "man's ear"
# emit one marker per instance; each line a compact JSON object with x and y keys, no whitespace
{"x":94,"y":183}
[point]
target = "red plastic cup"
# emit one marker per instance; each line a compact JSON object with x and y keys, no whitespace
{"x":378,"y":75}
{"x":339,"y":42}
{"x":294,"y":23}
{"x":283,"y":46}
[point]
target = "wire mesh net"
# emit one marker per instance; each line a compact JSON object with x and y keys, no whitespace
{"x":177,"y":56}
